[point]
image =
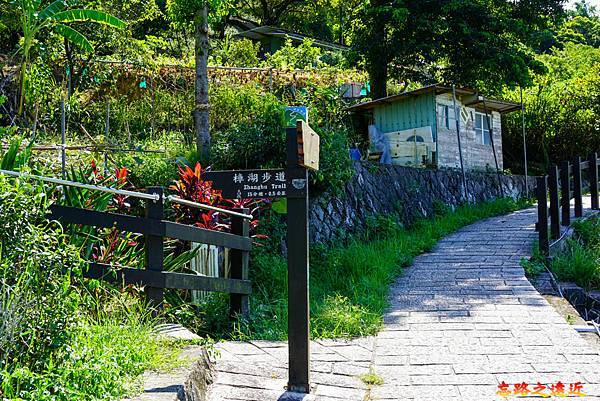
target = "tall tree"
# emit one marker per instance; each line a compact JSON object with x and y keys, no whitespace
{"x":465,"y":42}
{"x":267,"y":12}
{"x":199,"y":13}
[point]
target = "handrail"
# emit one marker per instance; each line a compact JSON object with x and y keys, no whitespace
{"x":141,"y":195}
{"x":41,"y":148}
{"x":177,"y":199}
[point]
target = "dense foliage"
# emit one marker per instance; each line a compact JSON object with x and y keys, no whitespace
{"x":562,"y":109}
{"x":580,"y":262}
{"x":60,"y":339}
{"x":175,"y":78}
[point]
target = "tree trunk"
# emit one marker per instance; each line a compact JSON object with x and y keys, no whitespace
{"x":378,"y":76}
{"x":201,"y":110}
{"x":378,"y":62}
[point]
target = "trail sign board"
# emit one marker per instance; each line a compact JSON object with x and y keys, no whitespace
{"x":295,"y":113}
{"x":308,"y":146}
{"x":248,"y":184}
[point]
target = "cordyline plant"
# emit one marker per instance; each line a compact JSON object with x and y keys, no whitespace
{"x":103,"y":245}
{"x":192,"y":186}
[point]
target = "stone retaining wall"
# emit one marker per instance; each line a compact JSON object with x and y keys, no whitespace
{"x":407,"y":192}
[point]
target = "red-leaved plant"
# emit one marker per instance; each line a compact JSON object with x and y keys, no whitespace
{"x":191,"y":186}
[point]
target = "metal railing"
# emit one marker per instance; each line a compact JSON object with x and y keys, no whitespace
{"x":58,"y":181}
{"x":177,"y":199}
{"x":141,"y":195}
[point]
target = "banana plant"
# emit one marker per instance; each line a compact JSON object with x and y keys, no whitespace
{"x":55,"y":17}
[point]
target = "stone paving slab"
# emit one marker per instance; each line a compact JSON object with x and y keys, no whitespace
{"x":462,"y":320}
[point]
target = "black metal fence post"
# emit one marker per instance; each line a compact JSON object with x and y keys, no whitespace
{"x":298,"y":271}
{"x":239,"y":303}
{"x":594,"y":180}
{"x":542,"y":192}
{"x":154,"y":255}
{"x":554,"y":203}
{"x":565,"y":189}
{"x":577,"y":187}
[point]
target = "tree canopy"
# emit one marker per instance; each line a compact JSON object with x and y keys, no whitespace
{"x":479,"y":43}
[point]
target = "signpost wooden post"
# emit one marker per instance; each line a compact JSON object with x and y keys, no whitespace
{"x":292,"y":183}
{"x":302,"y":154}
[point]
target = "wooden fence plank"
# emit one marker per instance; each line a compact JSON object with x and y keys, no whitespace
{"x":154,"y":246}
{"x":124,"y":275}
{"x":203,"y":236}
{"x":593,"y":174}
{"x":182,"y":281}
{"x":554,"y":202}
{"x":577,"y":193}
{"x":239,"y":304}
{"x":565,"y":189}
{"x":542,"y":191}
{"x":134,"y":224}
{"x":185,"y":281}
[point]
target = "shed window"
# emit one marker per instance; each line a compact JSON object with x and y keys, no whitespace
{"x":482,"y":129}
{"x":445,"y":116}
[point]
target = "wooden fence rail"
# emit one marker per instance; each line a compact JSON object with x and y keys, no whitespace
{"x":562,"y":184}
{"x":155,"y":229}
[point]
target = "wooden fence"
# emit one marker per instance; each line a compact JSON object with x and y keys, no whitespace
{"x":155,"y":229}
{"x":564,"y":183}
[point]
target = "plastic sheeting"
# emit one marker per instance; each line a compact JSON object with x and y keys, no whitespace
{"x":381,"y":144}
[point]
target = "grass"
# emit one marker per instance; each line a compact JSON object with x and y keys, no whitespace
{"x":103,"y":359}
{"x":580,"y":261}
{"x":349,"y":282}
{"x":372,"y":378}
{"x":536,"y":264}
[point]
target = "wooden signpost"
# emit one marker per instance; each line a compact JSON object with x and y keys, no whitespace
{"x":292,"y":183}
{"x":302,"y":155}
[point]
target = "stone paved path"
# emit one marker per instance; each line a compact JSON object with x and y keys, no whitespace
{"x":462,"y":319}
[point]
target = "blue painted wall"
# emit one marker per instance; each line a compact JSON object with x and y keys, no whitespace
{"x":411,"y":112}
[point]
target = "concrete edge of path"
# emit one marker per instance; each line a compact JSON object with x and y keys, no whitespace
{"x":189,"y":382}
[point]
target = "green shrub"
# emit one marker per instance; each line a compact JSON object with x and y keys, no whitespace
{"x":36,"y":262}
{"x":289,"y":56}
{"x":236,"y":53}
{"x":103,"y":358}
{"x":233,"y":105}
{"x":148,"y":170}
{"x":580,"y":260}
{"x":578,"y":264}
{"x":248,"y":130}
{"x":61,"y":338}
{"x":588,"y":232}
{"x":335,"y":166}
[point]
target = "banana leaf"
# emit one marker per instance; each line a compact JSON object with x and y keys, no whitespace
{"x":74,"y":36}
{"x":82,"y":15}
